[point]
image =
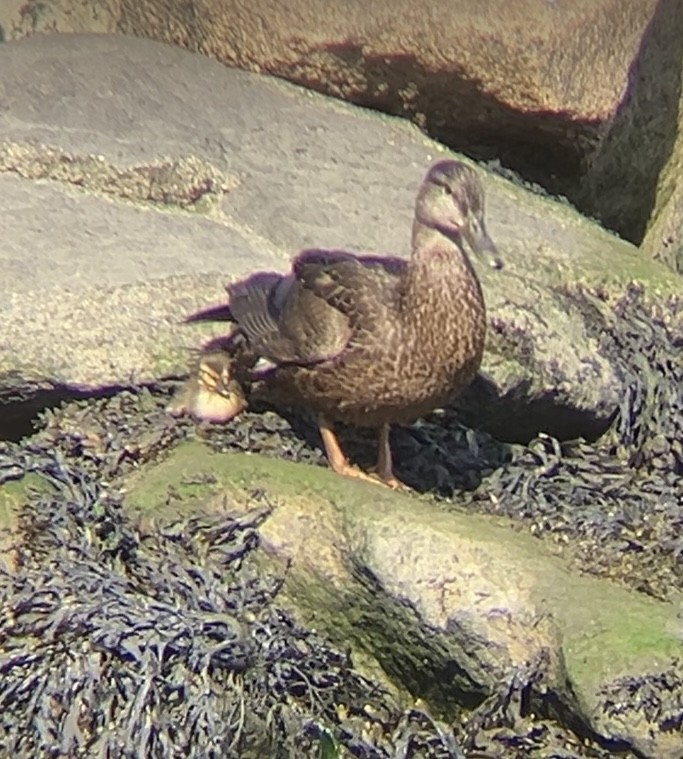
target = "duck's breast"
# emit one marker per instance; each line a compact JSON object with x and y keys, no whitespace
{"x":419,"y":361}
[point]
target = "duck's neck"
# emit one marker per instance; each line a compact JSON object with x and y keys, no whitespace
{"x":442,"y":295}
{"x":440,"y":260}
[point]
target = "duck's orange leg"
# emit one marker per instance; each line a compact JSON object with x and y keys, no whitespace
{"x":384,"y":467}
{"x":340,"y":464}
{"x":338,"y":461}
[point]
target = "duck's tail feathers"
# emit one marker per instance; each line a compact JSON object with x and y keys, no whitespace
{"x":220,"y":313}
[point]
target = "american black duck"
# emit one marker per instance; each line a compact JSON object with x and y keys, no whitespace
{"x":367,"y":340}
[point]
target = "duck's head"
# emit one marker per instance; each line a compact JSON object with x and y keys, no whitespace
{"x":451,"y":201}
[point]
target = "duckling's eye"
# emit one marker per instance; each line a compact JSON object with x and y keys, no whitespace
{"x":447,"y":189}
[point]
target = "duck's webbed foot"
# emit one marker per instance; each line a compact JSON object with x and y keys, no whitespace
{"x":340,"y":464}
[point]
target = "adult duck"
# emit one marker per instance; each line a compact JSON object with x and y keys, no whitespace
{"x":367,"y":340}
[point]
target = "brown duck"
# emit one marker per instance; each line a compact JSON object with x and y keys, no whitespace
{"x":366,"y":340}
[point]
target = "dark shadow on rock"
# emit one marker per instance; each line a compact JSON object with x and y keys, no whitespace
{"x":19,"y":413}
{"x":417,"y":656}
{"x":514,"y":417}
{"x":612,"y":177}
{"x":621,"y":184}
{"x":544,"y":147}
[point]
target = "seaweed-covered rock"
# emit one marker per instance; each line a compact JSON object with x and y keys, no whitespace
{"x":117,"y":640}
{"x":449,"y":604}
{"x":478,"y":621}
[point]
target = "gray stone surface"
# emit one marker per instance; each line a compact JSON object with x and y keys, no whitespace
{"x":532,"y":83}
{"x":95,"y":280}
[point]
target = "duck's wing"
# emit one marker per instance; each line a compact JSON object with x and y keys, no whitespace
{"x":310,"y":315}
{"x":361,"y":287}
{"x":285,"y":322}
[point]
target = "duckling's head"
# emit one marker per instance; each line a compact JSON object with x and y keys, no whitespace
{"x":451,"y":201}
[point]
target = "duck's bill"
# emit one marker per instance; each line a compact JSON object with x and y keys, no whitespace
{"x":483,"y":246}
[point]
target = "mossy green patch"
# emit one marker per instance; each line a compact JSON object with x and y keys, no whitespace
{"x":197,"y":472}
{"x":609,"y":631}
{"x":13,"y":495}
{"x":606,"y":630}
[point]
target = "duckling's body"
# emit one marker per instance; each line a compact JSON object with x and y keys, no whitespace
{"x":369,"y":340}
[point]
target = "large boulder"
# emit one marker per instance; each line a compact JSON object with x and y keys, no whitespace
{"x":135,"y":535}
{"x":635,"y":169}
{"x":136,"y":178}
{"x":533,"y":84}
{"x":664,"y":234}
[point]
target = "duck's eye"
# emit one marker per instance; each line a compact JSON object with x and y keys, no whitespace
{"x":447,"y":189}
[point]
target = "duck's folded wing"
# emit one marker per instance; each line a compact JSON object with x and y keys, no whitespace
{"x":248,"y":305}
{"x":252,"y":303}
{"x":351,"y":283}
{"x":286,"y":323}
{"x":309,"y":316}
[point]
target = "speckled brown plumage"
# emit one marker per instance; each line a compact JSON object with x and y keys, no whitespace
{"x":366,"y":340}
